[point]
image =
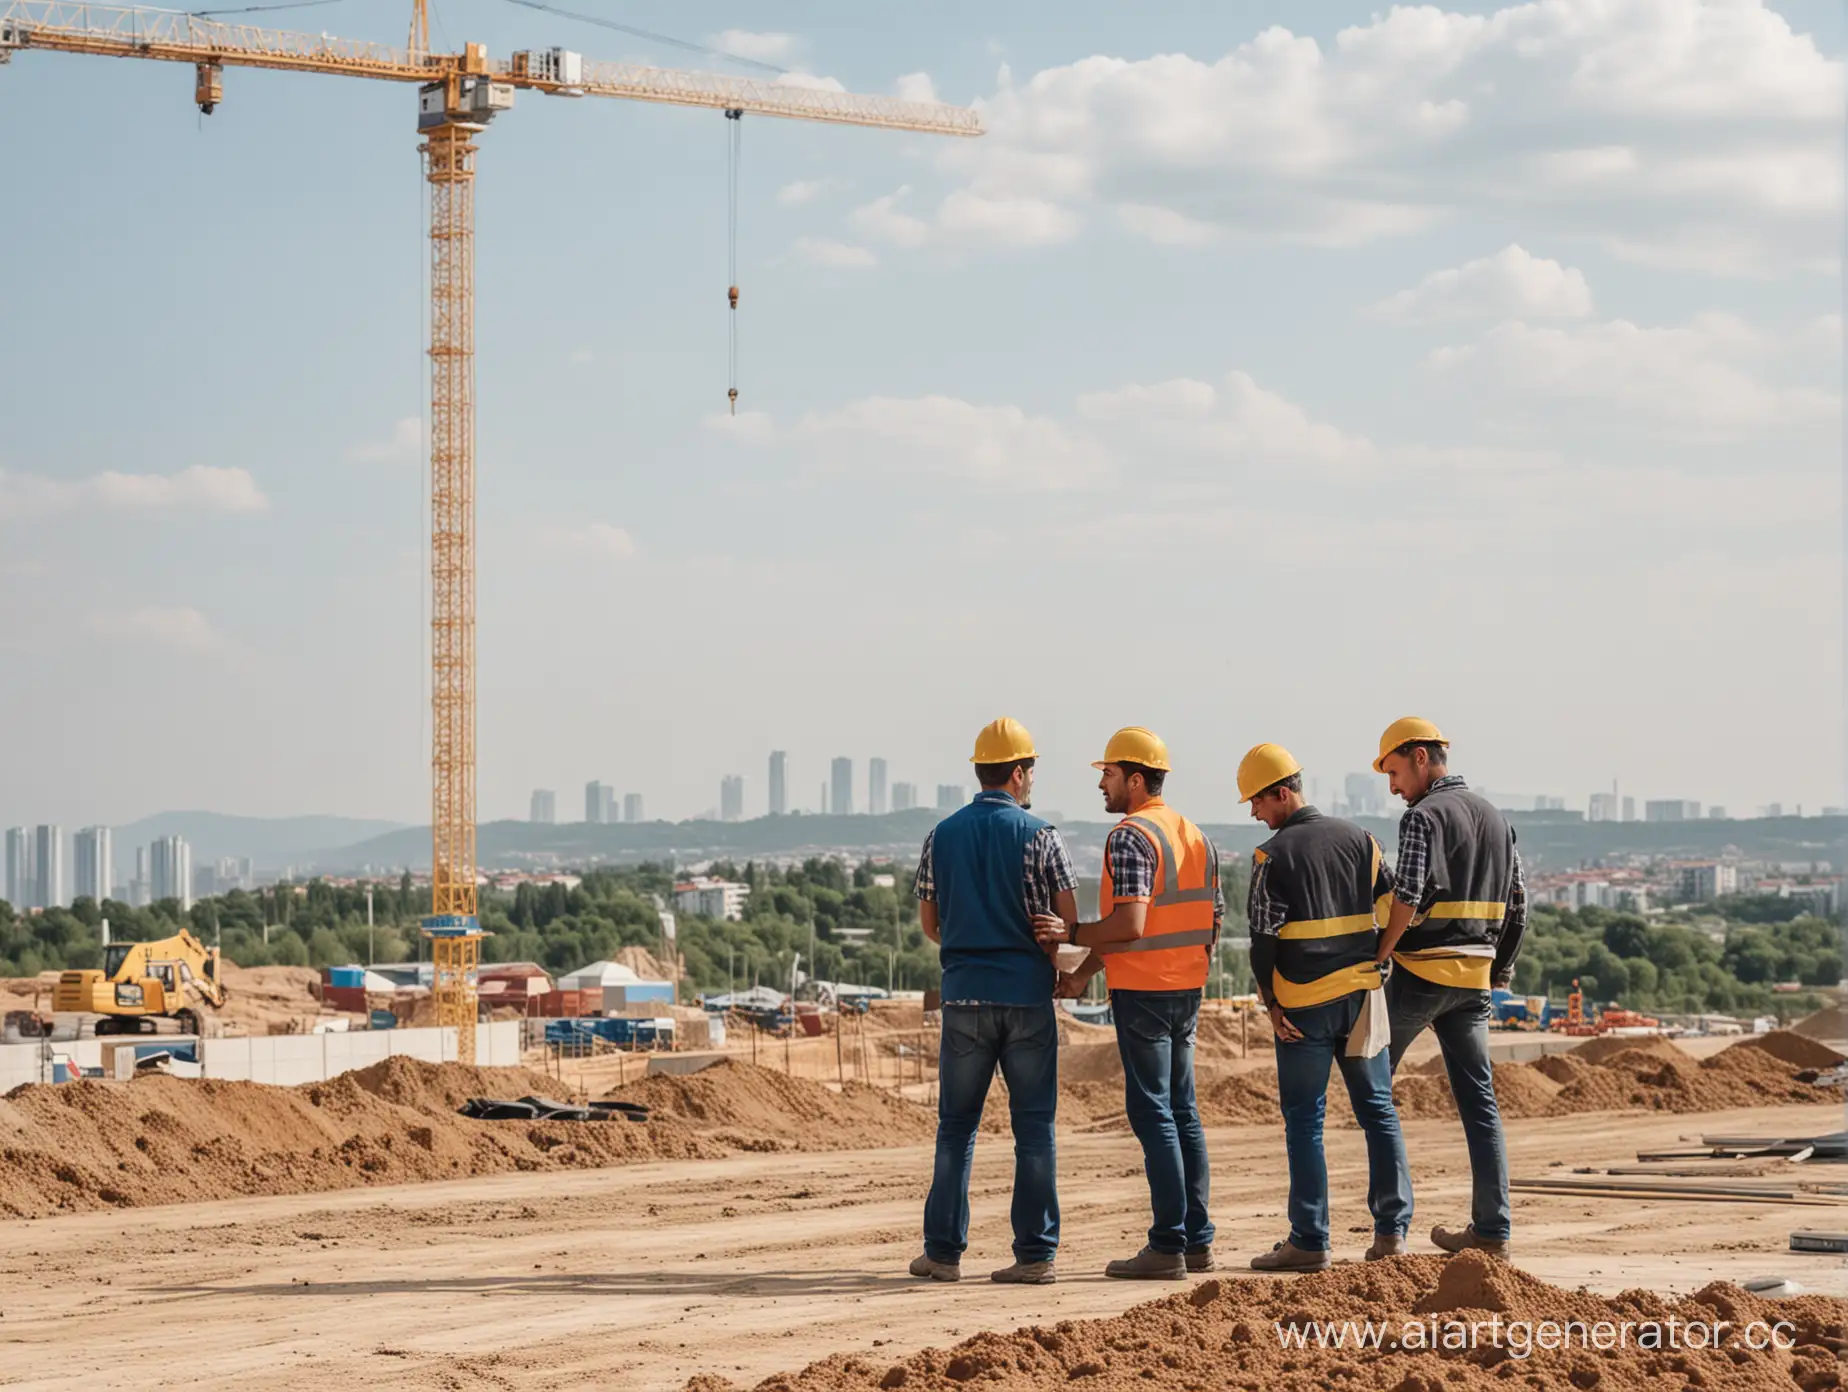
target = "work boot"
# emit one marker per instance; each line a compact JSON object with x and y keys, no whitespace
{"x":1468,"y":1239}
{"x":1287,"y":1256}
{"x":1039,"y":1273}
{"x":1150,"y":1265}
{"x":935,"y":1270}
{"x":1387,"y":1244}
{"x":1199,"y":1258}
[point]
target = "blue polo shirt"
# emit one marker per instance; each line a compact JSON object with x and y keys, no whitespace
{"x":988,"y":867}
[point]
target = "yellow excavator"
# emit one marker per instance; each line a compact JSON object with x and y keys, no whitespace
{"x":144,"y":983}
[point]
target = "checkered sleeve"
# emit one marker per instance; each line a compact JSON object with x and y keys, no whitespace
{"x":1513,"y":928}
{"x":925,"y":885}
{"x":1133,"y":863}
{"x":1412,"y":872}
{"x":1263,"y":911}
{"x":1050,"y":866}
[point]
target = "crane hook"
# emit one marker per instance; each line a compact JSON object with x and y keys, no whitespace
{"x":735,"y":157}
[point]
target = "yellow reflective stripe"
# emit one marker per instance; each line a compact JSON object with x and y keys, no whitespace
{"x":1327,"y":927}
{"x":1467,"y":908}
{"x":1470,"y":973}
{"x":1300,"y":995}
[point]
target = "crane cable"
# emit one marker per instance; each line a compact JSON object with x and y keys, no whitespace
{"x":735,"y":158}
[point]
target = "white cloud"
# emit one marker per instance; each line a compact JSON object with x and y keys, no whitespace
{"x":199,"y":488}
{"x":819,"y":251}
{"x":809,"y":81}
{"x":179,"y":629}
{"x":882,"y":219}
{"x":1164,"y":226}
{"x":768,"y":47}
{"x":1240,"y":421}
{"x":1511,"y":284}
{"x":801,"y":191}
{"x":402,"y":445}
{"x":594,"y":538}
{"x":755,"y":427}
{"x":964,"y":216}
{"x":1685,"y":378}
{"x":917,"y":87}
{"x":1695,"y":133}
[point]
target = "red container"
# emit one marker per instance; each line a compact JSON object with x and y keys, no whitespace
{"x":347,"y":998}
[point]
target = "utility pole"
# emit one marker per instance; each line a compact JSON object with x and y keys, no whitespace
{"x":370,"y":957}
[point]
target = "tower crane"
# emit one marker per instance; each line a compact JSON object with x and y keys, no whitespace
{"x":458,"y":94}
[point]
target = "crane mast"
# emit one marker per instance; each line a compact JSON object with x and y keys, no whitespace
{"x":459,"y":93}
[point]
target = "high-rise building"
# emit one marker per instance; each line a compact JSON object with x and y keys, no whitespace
{"x":1716,"y":813}
{"x":1671,"y":810}
{"x":779,"y":783}
{"x":823,"y":804}
{"x":20,"y":890}
{"x":840,"y":788}
{"x":94,"y":862}
{"x":631,"y":807}
{"x":170,"y":870}
{"x":140,"y":889}
{"x":731,"y":798}
{"x":1629,"y":809}
{"x":904,"y":797}
{"x":949,"y":797}
{"x":612,"y":805}
{"x":1602,"y":808}
{"x":1702,"y":884}
{"x":48,"y":867}
{"x":545,"y":806}
{"x":1365,"y":797}
{"x":876,"y":787}
{"x":596,"y":798}
{"x":1549,"y":804}
{"x":235,"y":872}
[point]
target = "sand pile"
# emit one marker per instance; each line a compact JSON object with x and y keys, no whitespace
{"x":1228,"y":1334}
{"x":1796,"y":1049}
{"x":157,"y":1139}
{"x":752,"y":1108}
{"x":1831,"y":1022}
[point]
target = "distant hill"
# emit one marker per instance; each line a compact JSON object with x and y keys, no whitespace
{"x":1545,"y":843}
{"x":272,"y":842}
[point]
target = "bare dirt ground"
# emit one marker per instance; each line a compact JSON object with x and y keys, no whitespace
{"x":639,"y":1277}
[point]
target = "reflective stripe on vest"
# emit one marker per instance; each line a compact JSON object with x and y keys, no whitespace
{"x":1300,"y":995}
{"x":1467,"y":908}
{"x":1174,"y":951}
{"x":1449,"y":966}
{"x":1327,"y":927}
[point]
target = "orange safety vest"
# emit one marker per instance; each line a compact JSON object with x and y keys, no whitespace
{"x":1176,"y":945}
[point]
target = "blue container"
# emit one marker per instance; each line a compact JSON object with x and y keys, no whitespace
{"x":346,"y":977}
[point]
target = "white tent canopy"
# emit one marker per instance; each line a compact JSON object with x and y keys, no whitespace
{"x":596,"y":976}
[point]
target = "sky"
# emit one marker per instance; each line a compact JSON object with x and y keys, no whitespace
{"x":1266,"y":372}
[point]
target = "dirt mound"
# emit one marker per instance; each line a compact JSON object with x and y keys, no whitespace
{"x":1603,"y":1047}
{"x":1796,"y":1049}
{"x":442,"y":1087}
{"x":1831,"y":1022}
{"x":1217,"y":1035}
{"x":1521,"y":1090}
{"x":760,"y":1109}
{"x":1091,"y":1063}
{"x":1231,"y":1334}
{"x":157,"y":1139}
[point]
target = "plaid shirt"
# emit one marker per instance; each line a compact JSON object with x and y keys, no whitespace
{"x":1133,"y":863}
{"x":1047,"y":870}
{"x":1413,"y":873}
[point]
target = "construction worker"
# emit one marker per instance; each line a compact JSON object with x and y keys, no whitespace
{"x":1316,"y":888}
{"x":1459,"y":911}
{"x":1160,"y":908}
{"x":983,"y":874}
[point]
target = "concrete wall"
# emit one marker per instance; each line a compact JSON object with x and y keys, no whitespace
{"x":283,"y":1059}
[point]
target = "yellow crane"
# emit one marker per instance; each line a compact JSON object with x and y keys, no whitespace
{"x":458,"y":94}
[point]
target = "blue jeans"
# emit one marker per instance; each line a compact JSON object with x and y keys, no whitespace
{"x":1155,"y":1035}
{"x":1024,"y":1041}
{"x":1302,"y":1088}
{"x":1459,"y":1017}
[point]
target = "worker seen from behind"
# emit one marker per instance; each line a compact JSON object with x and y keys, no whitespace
{"x":1160,"y":908}
{"x":1315,"y":910}
{"x":1459,"y":912}
{"x":984,"y":873}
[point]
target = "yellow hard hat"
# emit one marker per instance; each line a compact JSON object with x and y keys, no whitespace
{"x":1001,"y":742}
{"x":1135,"y":745}
{"x":1264,"y":765}
{"x":1407,"y":729}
